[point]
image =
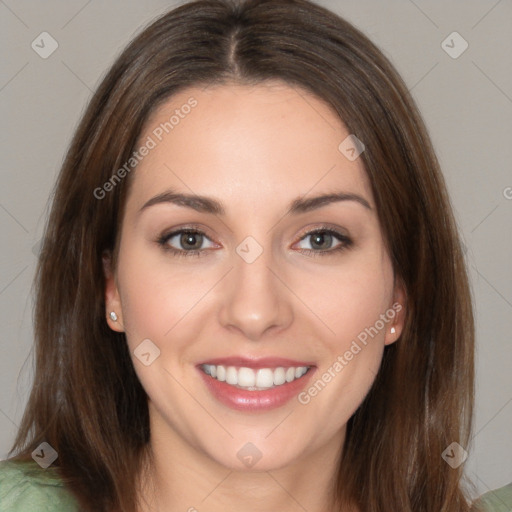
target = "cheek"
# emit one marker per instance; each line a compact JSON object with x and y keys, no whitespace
{"x":155,"y":295}
{"x":352,"y":303}
{"x":159,"y":302}
{"x":351,"y":299}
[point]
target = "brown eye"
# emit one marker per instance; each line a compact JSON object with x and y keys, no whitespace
{"x":191,"y":240}
{"x":321,"y":242}
{"x":185,"y":242}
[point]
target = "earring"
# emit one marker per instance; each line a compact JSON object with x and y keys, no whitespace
{"x":113,"y":316}
{"x":393,"y":330}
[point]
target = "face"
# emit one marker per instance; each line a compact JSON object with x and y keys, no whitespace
{"x":256,"y":313}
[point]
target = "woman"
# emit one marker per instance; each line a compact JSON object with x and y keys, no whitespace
{"x":312,"y":348}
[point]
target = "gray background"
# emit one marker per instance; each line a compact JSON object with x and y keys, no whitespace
{"x":466,"y":103}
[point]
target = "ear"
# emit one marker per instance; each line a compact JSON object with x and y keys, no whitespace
{"x":395,"y":326}
{"x":112,"y":298}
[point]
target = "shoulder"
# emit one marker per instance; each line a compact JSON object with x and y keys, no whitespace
{"x":499,"y":500}
{"x":26,"y":487}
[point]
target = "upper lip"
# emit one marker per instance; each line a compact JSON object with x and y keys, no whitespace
{"x":256,"y":363}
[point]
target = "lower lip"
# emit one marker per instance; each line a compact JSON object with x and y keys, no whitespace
{"x":264,"y":400}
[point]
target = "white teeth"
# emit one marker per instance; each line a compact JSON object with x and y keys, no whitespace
{"x":263,"y":378}
{"x":290,"y":374}
{"x":221,"y":373}
{"x":279,"y":376}
{"x":246,"y":377}
{"x":232,"y":376}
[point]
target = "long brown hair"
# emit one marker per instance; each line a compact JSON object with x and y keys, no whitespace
{"x":86,"y":400}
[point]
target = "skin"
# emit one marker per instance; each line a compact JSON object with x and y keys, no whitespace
{"x":254,"y":149}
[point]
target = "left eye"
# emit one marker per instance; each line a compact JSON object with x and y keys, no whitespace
{"x":322,"y":240}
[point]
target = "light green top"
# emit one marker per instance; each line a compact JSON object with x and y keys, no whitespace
{"x":499,"y":500}
{"x":26,"y":487}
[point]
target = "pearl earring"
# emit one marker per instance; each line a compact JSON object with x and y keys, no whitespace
{"x":113,"y":316}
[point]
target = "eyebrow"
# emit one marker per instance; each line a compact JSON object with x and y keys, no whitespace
{"x":206,"y":204}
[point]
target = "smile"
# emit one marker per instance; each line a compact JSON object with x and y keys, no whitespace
{"x":255,"y":385}
{"x":254,"y":379}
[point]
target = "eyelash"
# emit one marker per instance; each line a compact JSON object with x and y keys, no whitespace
{"x":346,"y":242}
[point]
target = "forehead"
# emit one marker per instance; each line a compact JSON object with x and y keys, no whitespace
{"x":258,"y":142}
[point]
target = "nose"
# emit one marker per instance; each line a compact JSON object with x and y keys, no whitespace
{"x":255,"y":298}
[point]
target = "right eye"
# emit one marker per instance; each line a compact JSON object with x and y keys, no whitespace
{"x":190,"y":240}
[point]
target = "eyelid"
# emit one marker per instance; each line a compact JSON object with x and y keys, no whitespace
{"x":195,"y":228}
{"x":324,"y":227}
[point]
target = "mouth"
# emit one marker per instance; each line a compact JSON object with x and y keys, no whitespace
{"x":255,"y":385}
{"x":254,"y":380}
